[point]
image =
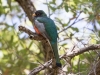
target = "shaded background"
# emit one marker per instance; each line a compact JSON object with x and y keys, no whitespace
{"x":77,"y":22}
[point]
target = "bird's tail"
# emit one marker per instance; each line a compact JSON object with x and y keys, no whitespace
{"x":55,"y":50}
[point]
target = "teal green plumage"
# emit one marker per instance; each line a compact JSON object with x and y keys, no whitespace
{"x":50,"y":32}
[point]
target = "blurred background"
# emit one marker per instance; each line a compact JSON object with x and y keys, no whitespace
{"x":78,"y":26}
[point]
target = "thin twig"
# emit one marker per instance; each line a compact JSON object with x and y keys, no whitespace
{"x":75,"y":21}
{"x":39,"y":68}
{"x":80,"y":51}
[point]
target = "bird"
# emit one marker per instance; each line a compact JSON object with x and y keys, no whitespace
{"x":46,"y":27}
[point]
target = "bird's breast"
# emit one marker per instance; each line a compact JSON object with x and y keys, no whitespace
{"x":36,"y":30}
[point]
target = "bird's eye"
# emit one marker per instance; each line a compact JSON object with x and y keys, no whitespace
{"x":39,"y":14}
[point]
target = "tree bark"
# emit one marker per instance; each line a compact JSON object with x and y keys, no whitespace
{"x":95,"y":68}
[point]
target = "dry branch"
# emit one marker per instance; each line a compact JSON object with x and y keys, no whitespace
{"x":28,"y":7}
{"x":31,"y":34}
{"x":42,"y":67}
{"x":82,"y":50}
{"x":68,"y":54}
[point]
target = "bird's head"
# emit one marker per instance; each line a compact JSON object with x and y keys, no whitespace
{"x":39,"y":13}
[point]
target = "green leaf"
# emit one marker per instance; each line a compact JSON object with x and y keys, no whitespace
{"x":22,"y":44}
{"x":2,"y":10}
{"x":57,"y":28}
{"x":9,"y":3}
{"x":99,"y":33}
{"x":30,"y":44}
{"x":65,"y":24}
{"x":75,"y":29}
{"x":76,"y":1}
{"x":66,"y":8}
{"x":53,"y":8}
{"x":52,"y":2}
{"x":0,"y":2}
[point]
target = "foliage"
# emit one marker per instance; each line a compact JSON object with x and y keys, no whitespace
{"x":18,"y":54}
{"x":70,"y":30}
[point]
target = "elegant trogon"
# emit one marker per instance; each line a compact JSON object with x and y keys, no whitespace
{"x":45,"y":26}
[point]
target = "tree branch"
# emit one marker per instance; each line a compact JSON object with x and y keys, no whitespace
{"x":28,"y":7}
{"x":80,"y":51}
{"x":69,"y":54}
{"x":31,"y":34}
{"x":42,"y":67}
{"x":54,"y":70}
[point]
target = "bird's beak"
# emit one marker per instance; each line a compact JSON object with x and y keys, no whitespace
{"x":34,"y":15}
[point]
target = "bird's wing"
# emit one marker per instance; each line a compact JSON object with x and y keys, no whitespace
{"x":41,"y":29}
